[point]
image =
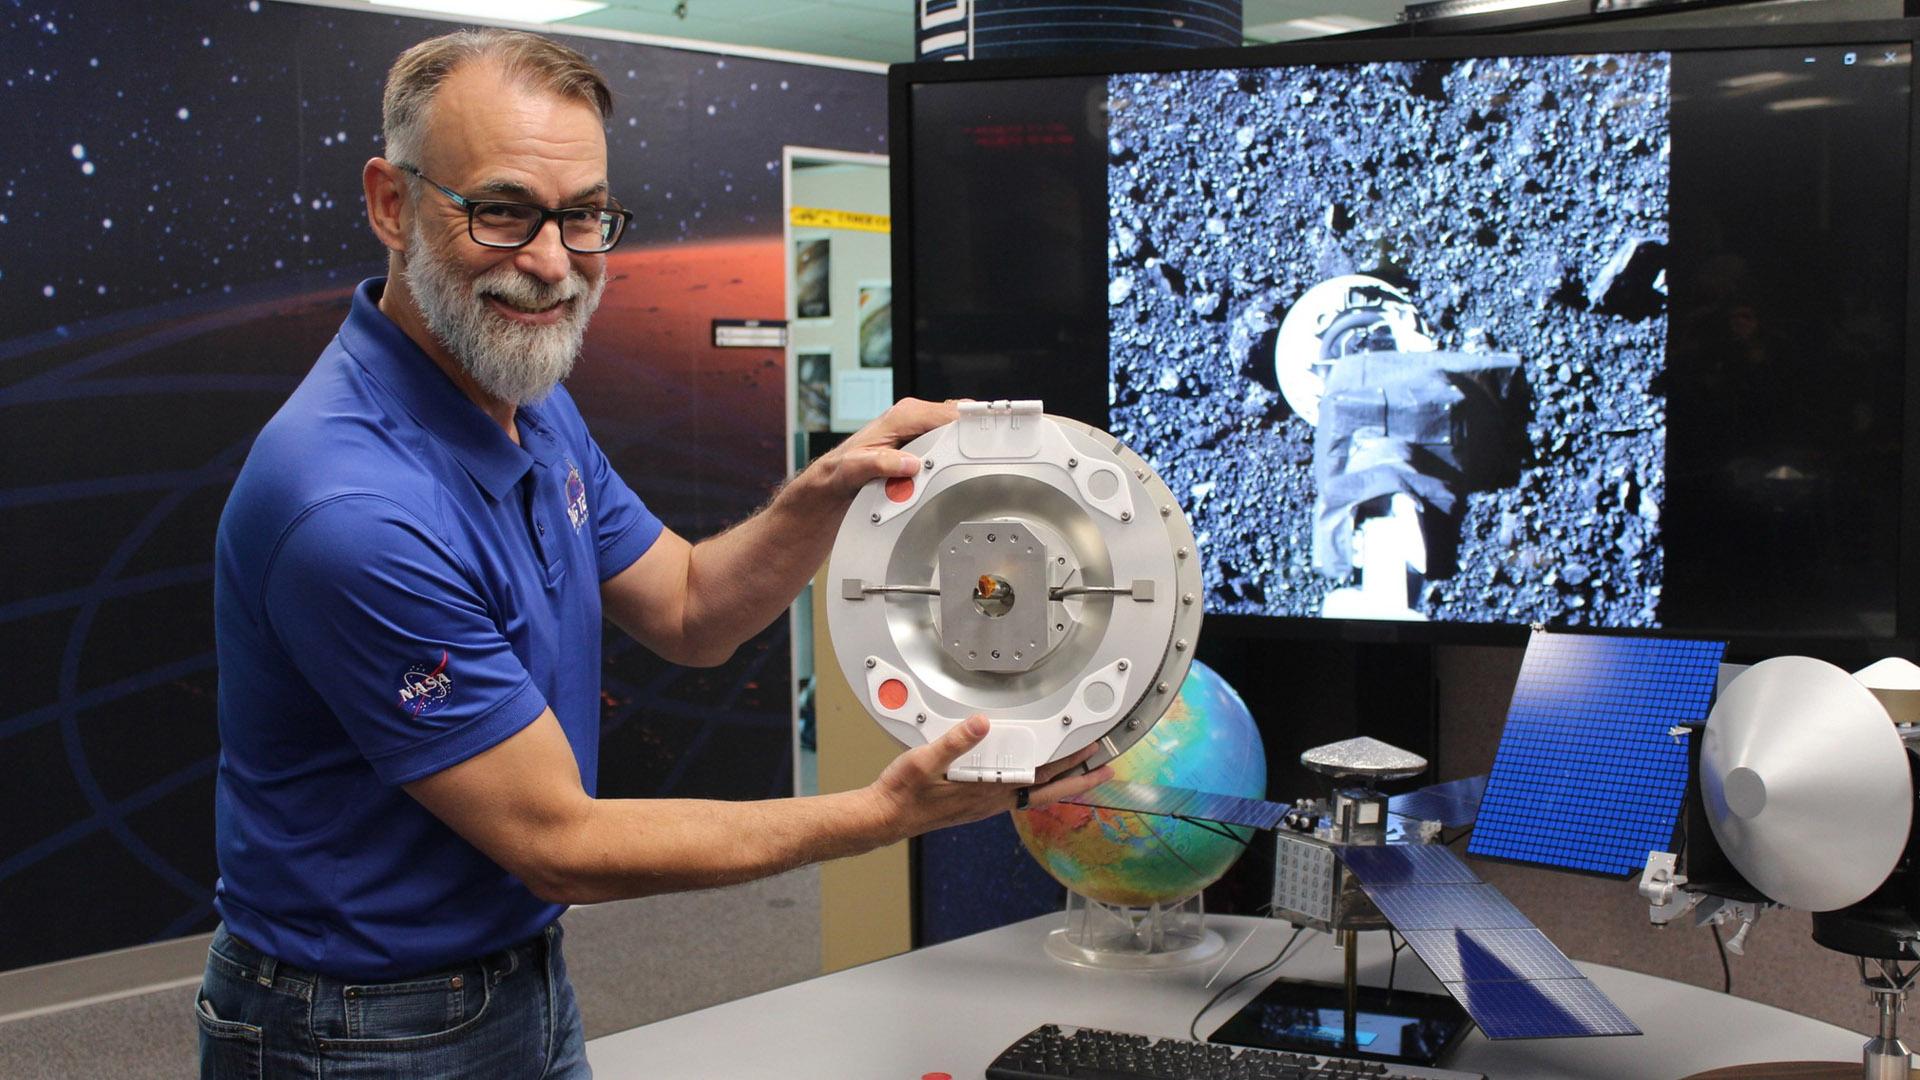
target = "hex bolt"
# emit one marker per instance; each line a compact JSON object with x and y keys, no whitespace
{"x":1182,"y":553}
{"x":1166,"y":511}
{"x":1132,"y":724}
{"x":1162,"y":688}
{"x":1187,"y":599}
{"x":1126,"y":515}
{"x":1073,"y":463}
{"x":875,"y":519}
{"x":926,"y":463}
{"x":920,"y":718}
{"x":1122,"y":665}
{"x":1180,"y":645}
{"x":871,"y":662}
{"x":1066,"y":721}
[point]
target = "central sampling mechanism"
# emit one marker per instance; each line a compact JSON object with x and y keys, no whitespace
{"x":1036,"y":570}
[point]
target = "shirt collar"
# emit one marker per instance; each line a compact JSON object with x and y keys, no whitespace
{"x":397,"y":362}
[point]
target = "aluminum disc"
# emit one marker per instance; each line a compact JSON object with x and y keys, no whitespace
{"x":1037,"y":571}
{"x":1806,"y":784}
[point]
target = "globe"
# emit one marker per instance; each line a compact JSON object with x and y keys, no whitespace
{"x":1207,"y":741}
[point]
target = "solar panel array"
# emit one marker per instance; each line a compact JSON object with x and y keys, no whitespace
{"x":1452,"y":804}
{"x":1183,"y":803}
{"x":1587,"y":776}
{"x":1489,"y":956}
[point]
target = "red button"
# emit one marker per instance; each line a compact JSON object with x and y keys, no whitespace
{"x":900,"y":488}
{"x":893,"y":694}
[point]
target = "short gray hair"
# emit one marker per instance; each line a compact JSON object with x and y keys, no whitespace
{"x":528,"y":60}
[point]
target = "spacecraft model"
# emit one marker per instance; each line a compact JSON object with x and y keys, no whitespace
{"x":1402,"y":430}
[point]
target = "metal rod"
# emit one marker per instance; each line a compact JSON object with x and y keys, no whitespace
{"x":1089,"y":590}
{"x":1885,"y":1057}
{"x":914,"y":590}
{"x":1352,"y":943}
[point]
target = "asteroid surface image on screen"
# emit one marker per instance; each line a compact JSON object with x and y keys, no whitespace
{"x":1394,"y":332}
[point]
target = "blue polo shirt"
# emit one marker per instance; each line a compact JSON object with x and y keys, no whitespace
{"x":398,"y":586}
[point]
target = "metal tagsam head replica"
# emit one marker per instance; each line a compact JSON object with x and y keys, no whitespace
{"x":1036,"y":571}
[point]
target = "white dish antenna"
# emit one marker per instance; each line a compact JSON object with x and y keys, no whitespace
{"x":1806,"y":783}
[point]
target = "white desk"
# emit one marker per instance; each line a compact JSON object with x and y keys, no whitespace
{"x":952,"y":1007}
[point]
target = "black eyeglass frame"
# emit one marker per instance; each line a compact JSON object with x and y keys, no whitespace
{"x":619,"y":214}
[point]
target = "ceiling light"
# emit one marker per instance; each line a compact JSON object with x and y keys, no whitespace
{"x":1333,"y":24}
{"x":1318,"y":26}
{"x":1805,"y":103}
{"x":523,"y":11}
{"x":1760,"y":80}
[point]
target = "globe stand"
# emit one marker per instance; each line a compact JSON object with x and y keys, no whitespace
{"x":1149,"y":938}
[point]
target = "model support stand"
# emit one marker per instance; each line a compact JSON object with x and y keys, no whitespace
{"x":1137,"y":938}
{"x":1885,"y":1056}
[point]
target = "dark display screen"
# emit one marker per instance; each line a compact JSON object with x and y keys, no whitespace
{"x":1605,"y":331}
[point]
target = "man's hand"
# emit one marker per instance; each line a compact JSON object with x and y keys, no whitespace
{"x":874,"y":450}
{"x":917,"y":797}
{"x":695,"y":604}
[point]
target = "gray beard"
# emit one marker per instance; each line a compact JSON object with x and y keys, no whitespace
{"x":514,"y":363}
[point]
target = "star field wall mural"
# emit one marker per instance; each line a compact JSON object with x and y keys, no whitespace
{"x":180,"y":229}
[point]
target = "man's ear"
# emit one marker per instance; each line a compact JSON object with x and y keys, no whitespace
{"x":385,"y":187}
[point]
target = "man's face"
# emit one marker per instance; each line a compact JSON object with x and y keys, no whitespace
{"x":514,"y":319}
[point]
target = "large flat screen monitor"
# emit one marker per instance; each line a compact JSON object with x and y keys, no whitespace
{"x":1439,"y":338}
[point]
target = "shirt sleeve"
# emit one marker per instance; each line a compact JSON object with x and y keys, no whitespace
{"x":623,"y":526}
{"x":386,"y":622}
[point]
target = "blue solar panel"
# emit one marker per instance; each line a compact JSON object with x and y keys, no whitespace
{"x":1481,"y":955}
{"x":1453,"y":804}
{"x":1126,"y":795}
{"x":1549,"y":1008}
{"x":1446,"y":907}
{"x":1183,"y":803}
{"x":1488,"y":955}
{"x":1587,"y":776}
{"x":1406,"y":864}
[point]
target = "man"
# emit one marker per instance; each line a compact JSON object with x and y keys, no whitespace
{"x":411,"y":576}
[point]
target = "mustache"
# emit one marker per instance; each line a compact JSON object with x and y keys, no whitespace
{"x":526,"y":291}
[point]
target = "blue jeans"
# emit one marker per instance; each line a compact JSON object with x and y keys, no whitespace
{"x":510,"y":1015}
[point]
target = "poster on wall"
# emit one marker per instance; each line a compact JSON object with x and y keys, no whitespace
{"x":105,"y":832}
{"x":812,"y":277}
{"x":875,"y":310}
{"x":813,"y":389}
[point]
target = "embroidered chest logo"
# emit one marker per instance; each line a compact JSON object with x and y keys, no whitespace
{"x":426,"y":687}
{"x":576,"y":497}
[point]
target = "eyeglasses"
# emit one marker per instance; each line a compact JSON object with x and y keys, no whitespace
{"x":586,"y":230}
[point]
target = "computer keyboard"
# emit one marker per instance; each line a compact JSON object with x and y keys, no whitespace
{"x":1054,"y":1051}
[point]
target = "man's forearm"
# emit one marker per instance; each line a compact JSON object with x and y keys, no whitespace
{"x":642,"y":847}
{"x":521,"y":802}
